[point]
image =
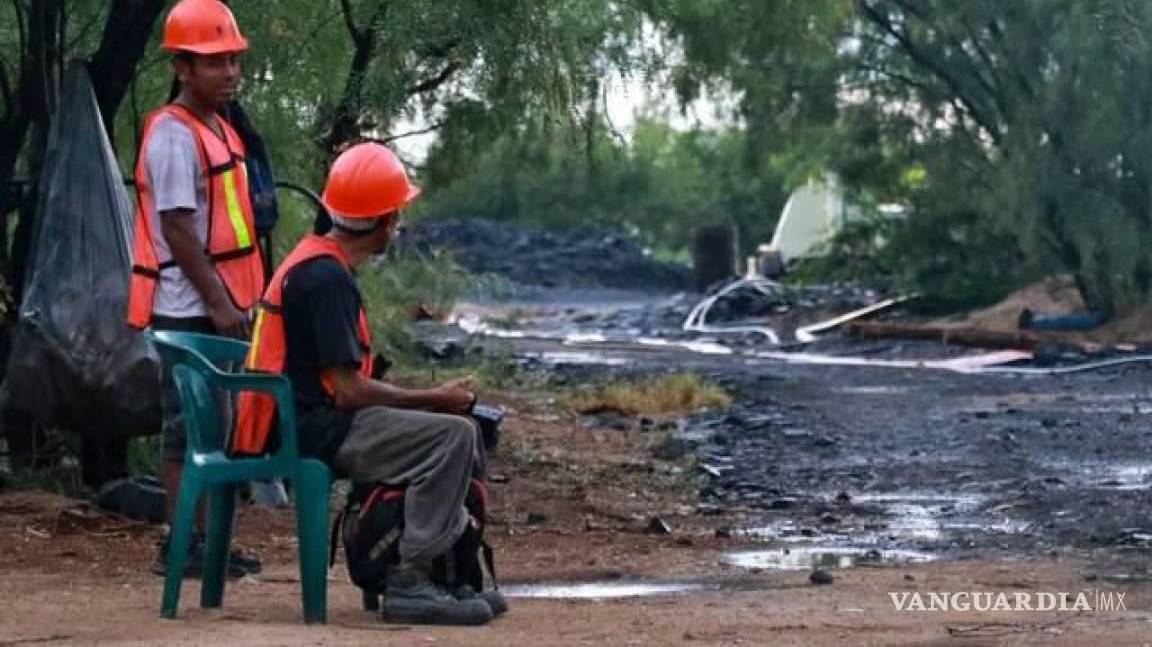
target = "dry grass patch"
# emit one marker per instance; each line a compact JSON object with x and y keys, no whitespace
{"x":663,"y":395}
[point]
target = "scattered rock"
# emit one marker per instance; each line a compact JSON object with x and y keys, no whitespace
{"x":820,"y":577}
{"x":657,"y":526}
{"x":672,"y":448}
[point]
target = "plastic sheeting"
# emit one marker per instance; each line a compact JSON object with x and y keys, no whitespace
{"x":75,"y":363}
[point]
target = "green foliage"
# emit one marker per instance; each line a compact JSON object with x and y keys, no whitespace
{"x":404,"y":286}
{"x":661,"y":185}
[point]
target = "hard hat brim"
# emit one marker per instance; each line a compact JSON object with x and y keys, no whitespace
{"x":227,"y":46}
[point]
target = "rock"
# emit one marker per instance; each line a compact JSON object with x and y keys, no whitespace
{"x":820,"y":577}
{"x":792,"y":432}
{"x":672,"y":448}
{"x":535,"y":518}
{"x":908,"y":577}
{"x":830,"y":519}
{"x":724,"y":532}
{"x":647,"y":423}
{"x":657,"y":526}
{"x":710,"y":470}
{"x":843,"y":498}
{"x":784,"y":503}
{"x":685,"y":541}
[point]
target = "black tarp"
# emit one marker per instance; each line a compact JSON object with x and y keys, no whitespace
{"x":75,"y":364}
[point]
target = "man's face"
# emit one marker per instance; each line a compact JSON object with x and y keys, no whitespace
{"x":385,"y":232}
{"x":210,"y":79}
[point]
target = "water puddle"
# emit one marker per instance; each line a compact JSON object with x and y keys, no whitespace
{"x":922,"y":519}
{"x":1109,"y":476}
{"x":598,"y":590}
{"x":824,"y":557}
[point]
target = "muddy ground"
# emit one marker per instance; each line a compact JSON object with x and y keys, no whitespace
{"x":887,"y":480}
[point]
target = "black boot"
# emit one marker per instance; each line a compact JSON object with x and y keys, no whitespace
{"x":412,"y":598}
{"x":495,"y":599}
{"x":239,"y":563}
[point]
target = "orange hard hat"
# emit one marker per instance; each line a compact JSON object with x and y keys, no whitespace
{"x":202,"y":27}
{"x":367,"y":181}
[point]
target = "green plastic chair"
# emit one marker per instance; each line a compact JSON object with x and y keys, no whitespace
{"x":195,"y":361}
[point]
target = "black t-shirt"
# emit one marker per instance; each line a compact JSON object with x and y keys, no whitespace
{"x":321,"y":310}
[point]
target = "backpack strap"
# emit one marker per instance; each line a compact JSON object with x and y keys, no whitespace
{"x":489,"y":561}
{"x":334,"y":538}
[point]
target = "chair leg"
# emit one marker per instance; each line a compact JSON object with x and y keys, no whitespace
{"x":222,"y":506}
{"x":312,"y":491}
{"x":178,"y":540}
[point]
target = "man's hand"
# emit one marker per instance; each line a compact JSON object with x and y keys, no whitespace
{"x":229,"y":321}
{"x":455,"y":397}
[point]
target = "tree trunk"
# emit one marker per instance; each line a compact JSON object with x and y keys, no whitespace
{"x":713,"y":255}
{"x":122,"y":46}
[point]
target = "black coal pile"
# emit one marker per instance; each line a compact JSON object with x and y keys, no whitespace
{"x":581,"y":259}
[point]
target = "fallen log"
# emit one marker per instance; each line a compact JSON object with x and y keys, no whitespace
{"x":976,"y":337}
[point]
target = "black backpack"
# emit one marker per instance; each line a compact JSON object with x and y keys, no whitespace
{"x":370,"y":527}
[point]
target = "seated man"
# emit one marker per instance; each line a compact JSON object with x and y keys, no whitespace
{"x":311,"y":326}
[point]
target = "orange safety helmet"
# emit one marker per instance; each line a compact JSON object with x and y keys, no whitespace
{"x":367,"y":181}
{"x":202,"y":27}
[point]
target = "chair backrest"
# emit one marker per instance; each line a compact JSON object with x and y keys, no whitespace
{"x":200,"y":409}
{"x":222,"y":353}
{"x":194,"y":360}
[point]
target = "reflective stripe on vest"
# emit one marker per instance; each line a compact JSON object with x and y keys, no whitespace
{"x":256,"y":411}
{"x":229,"y":246}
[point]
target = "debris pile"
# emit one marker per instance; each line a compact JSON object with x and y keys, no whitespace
{"x":579,"y":259}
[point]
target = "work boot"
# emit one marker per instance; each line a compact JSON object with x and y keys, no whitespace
{"x":495,"y":599}
{"x":412,"y":598}
{"x":239,"y":563}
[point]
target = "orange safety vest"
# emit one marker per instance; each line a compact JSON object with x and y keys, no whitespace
{"x":231,"y":245}
{"x":267,"y":352}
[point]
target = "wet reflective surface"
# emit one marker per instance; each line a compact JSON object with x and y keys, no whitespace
{"x":598,"y":590}
{"x":823,"y":557}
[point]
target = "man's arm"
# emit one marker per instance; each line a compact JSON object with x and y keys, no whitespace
{"x":353,"y":391}
{"x":188,"y":254}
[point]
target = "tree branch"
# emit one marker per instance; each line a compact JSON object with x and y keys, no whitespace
{"x":122,"y":45}
{"x":411,"y":133}
{"x":5,"y":89}
{"x":350,"y":21}
{"x":933,"y":66}
{"x":434,"y":82}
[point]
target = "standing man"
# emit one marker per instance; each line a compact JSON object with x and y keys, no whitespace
{"x":312,"y":327}
{"x":196,"y":266}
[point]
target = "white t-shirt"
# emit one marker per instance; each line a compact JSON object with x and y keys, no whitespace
{"x":176,"y":177}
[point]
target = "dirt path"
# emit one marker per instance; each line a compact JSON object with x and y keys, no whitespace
{"x":74,"y":577}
